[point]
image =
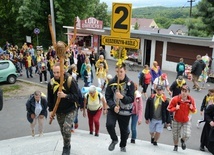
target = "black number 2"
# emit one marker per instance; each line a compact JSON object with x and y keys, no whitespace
{"x":118,"y":24}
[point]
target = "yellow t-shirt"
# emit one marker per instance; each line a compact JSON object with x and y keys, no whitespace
{"x":29,"y":59}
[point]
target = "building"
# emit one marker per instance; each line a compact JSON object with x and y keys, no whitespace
{"x":166,"y":49}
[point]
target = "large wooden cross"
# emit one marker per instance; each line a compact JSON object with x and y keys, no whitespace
{"x":61,"y":49}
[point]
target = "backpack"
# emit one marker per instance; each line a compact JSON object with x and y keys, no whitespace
{"x":147,"y":78}
{"x":125,"y":109}
{"x":90,"y":107}
{"x":69,"y":80}
{"x":181,"y":68}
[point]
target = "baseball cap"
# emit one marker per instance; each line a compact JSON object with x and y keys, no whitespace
{"x":159,"y":87}
{"x":164,"y":76}
{"x":185,"y":87}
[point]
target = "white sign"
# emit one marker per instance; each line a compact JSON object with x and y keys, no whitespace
{"x":28,"y":39}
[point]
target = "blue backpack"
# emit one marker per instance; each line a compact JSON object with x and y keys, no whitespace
{"x":181,"y":68}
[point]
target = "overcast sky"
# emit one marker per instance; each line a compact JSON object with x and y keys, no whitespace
{"x":145,"y":3}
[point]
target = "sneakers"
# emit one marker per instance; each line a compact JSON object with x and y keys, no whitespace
{"x":202,"y":148}
{"x":175,"y":148}
{"x":96,"y":134}
{"x":123,"y":149}
{"x":169,"y":128}
{"x":91,"y":133}
{"x":183,"y":145}
{"x":198,"y":89}
{"x":112,"y":145}
{"x":198,"y":124}
{"x":152,"y":140}
{"x":66,"y":150}
{"x":155,"y":143}
{"x":132,"y":141}
{"x":40,"y":134}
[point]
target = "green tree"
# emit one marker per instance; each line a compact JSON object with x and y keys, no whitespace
{"x":8,"y":14}
{"x":101,"y":13}
{"x":136,"y":26}
{"x":205,"y":10}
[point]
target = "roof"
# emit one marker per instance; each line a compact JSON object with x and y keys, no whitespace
{"x":176,"y":27}
{"x":156,"y":30}
{"x":143,"y":22}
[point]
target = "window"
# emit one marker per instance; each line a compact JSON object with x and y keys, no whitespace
{"x":4,"y":65}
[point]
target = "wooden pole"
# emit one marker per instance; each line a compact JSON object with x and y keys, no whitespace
{"x":118,"y":80}
{"x":60,"y":48}
{"x":60,"y":51}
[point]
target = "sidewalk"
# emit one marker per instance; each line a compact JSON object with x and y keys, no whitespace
{"x":83,"y":144}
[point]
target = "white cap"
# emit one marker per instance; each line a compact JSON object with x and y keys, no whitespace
{"x":109,"y":76}
{"x":137,"y":94}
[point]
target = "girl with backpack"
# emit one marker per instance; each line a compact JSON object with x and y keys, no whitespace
{"x":180,"y":68}
{"x":145,"y":79}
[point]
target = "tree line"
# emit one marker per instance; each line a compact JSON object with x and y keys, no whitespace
{"x":19,"y":18}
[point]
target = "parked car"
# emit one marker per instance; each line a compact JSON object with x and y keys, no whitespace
{"x":7,"y":72}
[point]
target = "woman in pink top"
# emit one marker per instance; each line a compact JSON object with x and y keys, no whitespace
{"x":137,"y":111}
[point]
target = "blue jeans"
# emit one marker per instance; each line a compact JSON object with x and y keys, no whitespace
{"x":134,"y":120}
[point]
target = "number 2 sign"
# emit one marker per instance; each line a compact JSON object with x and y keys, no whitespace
{"x":121,"y":19}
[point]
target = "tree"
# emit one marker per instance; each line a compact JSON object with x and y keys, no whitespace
{"x":101,"y":13}
{"x":205,"y":10}
{"x":8,"y":14}
{"x":136,"y":26}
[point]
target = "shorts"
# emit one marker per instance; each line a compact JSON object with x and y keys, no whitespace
{"x":156,"y":126}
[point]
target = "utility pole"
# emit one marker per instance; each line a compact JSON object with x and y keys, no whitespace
{"x":190,"y":11}
{"x":52,"y":17}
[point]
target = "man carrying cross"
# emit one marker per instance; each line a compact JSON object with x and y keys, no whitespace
{"x":66,"y":111}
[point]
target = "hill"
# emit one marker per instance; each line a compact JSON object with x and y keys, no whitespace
{"x":164,"y":16}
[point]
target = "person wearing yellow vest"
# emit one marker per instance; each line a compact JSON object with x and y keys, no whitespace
{"x":95,"y":103}
{"x":156,"y":113}
{"x":103,"y":61}
{"x":28,"y":65}
{"x":101,"y":75}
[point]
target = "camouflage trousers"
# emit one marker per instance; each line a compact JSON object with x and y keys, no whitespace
{"x":65,"y":121}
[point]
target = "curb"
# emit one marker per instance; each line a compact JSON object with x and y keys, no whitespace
{"x":33,"y":83}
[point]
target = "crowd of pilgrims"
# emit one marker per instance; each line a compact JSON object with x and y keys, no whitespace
{"x":79,"y":65}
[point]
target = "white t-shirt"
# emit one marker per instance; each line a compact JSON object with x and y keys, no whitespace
{"x":163,"y":83}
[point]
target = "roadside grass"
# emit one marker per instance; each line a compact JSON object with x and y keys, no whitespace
{"x":10,"y":88}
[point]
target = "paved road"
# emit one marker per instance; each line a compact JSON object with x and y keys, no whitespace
{"x":14,"y":123}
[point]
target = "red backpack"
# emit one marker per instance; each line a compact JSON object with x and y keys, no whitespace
{"x":147,"y":78}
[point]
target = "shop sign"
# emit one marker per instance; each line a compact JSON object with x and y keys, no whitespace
{"x":132,"y":43}
{"x":91,"y":23}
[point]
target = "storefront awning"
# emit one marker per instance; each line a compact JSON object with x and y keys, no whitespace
{"x":78,"y":34}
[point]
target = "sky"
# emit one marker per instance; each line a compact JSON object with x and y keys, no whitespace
{"x":146,"y":3}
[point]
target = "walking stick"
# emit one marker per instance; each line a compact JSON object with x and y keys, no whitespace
{"x":60,"y":48}
{"x":118,"y":80}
